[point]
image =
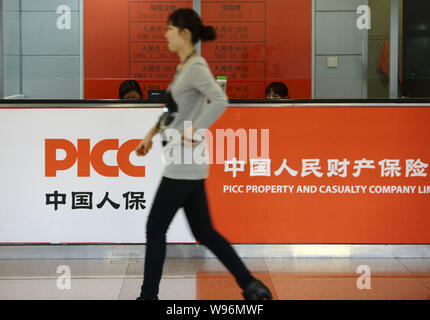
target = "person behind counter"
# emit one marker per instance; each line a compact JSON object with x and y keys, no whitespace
{"x":130,"y":90}
{"x":183,"y":185}
{"x":277,"y":90}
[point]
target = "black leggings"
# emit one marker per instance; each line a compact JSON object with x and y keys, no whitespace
{"x":173,"y":194}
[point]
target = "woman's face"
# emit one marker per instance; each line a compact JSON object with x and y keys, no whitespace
{"x":132,"y":95}
{"x":273,"y":95}
{"x":175,"y":38}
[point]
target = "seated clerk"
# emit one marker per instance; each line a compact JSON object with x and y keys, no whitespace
{"x":130,"y":90}
{"x":277,"y":90}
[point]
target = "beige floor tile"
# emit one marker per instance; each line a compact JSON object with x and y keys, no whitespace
{"x":191,"y":267}
{"x":225,"y":287}
{"x":205,"y":287}
{"x":170,"y":289}
{"x":80,"y":289}
{"x":79,"y":268}
{"x":425,"y":282}
{"x":189,"y":279}
{"x":416,"y":266}
{"x":341,"y":288}
{"x":333,"y":266}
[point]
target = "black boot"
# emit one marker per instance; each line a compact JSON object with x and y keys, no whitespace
{"x":256,"y":290}
{"x":140,"y":298}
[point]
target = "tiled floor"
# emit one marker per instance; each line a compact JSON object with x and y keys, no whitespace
{"x":189,"y":279}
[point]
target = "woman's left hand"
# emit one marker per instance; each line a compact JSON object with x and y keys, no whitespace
{"x":187,"y":136}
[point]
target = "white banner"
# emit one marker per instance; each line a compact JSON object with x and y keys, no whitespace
{"x":68,"y":176}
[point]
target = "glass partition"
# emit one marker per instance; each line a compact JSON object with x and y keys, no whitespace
{"x":315,"y":49}
{"x":11,"y":49}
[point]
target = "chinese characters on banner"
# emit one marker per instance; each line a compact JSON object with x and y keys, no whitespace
{"x":336,"y":167}
{"x":84,"y":200}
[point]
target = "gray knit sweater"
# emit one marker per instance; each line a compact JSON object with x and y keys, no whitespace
{"x":191,"y":88}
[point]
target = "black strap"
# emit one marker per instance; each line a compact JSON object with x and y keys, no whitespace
{"x":171,"y":104}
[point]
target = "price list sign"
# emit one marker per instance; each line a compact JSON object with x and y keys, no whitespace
{"x":239,"y":50}
{"x":151,"y":62}
{"x":258,"y":42}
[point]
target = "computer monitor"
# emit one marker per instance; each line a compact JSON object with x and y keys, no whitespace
{"x":157,"y":94}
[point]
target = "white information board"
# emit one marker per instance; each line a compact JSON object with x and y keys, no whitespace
{"x":61,"y":181}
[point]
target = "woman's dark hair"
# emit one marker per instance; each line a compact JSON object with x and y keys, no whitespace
{"x":127,"y":86}
{"x":185,"y":18}
{"x":279,"y":88}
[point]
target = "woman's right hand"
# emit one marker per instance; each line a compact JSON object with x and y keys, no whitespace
{"x":144,"y":146}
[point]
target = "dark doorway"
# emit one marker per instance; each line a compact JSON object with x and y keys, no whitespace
{"x":416,"y":48}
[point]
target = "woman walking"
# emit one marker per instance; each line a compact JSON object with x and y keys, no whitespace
{"x":182,"y":184}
